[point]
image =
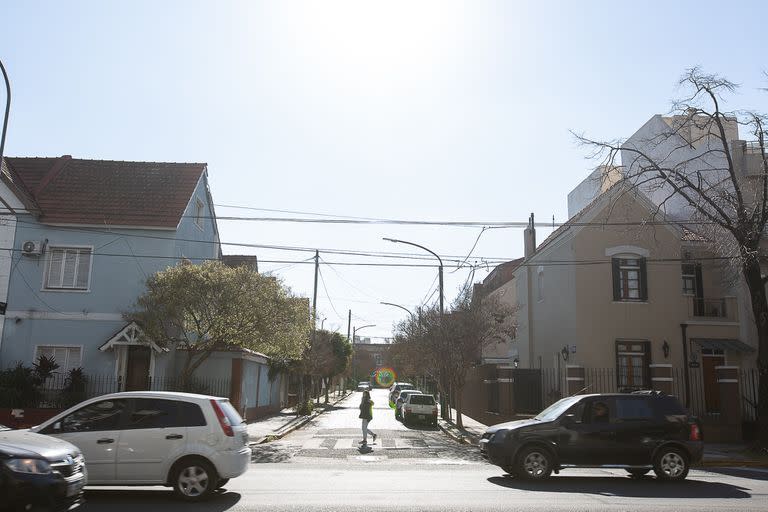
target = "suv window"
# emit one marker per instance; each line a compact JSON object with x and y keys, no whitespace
{"x":421,"y":400}
{"x":95,"y":417}
{"x":668,"y":406}
{"x":632,"y":409}
{"x":153,"y":413}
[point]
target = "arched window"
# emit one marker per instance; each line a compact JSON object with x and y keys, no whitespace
{"x":630,"y":274}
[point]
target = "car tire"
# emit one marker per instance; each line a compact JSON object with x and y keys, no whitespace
{"x":671,"y":464}
{"x":637,"y":473}
{"x":222,"y":482}
{"x":194,"y":479}
{"x":534,"y":463}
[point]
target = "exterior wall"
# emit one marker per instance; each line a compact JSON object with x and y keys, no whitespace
{"x":123,"y":259}
{"x":506,"y":294}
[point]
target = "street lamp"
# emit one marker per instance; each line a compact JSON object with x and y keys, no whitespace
{"x":398,"y":306}
{"x":7,"y":110}
{"x":440,"y":269}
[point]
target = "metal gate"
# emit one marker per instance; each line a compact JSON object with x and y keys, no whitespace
{"x":526,"y":389}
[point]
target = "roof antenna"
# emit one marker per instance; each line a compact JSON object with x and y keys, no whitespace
{"x":553,"y":221}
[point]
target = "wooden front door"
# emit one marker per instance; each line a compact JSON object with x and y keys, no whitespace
{"x":137,"y":368}
{"x":711,"y":387}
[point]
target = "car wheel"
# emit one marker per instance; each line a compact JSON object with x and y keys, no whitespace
{"x":637,"y":473}
{"x":194,"y":479}
{"x":534,"y":463}
{"x":670,"y":464}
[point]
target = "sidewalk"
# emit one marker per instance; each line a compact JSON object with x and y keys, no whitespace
{"x":286,"y":421}
{"x":723,"y":455}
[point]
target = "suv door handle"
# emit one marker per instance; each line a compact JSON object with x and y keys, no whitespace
{"x":174,"y":436}
{"x":105,"y":440}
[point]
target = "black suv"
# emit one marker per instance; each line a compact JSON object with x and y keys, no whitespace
{"x":638,"y":432}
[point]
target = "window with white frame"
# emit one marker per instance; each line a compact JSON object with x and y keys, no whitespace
{"x":69,"y":268}
{"x":66,"y":357}
{"x":378,"y":359}
{"x":199,"y":210}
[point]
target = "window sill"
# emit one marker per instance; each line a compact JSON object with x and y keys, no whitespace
{"x":65,"y":290}
{"x":630,"y":302}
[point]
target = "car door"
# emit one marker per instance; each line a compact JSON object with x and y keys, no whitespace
{"x":95,"y":428}
{"x":571,"y":448}
{"x":596,"y":443}
{"x":151,"y":435}
{"x":636,"y":430}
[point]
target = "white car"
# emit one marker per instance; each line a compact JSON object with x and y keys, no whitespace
{"x":193,"y":443}
{"x":419,"y":407}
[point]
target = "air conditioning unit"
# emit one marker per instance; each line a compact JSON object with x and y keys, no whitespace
{"x":32,"y":248}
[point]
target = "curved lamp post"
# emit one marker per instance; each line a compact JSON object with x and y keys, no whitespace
{"x":398,"y":306}
{"x":440,"y":269}
{"x":7,"y":110}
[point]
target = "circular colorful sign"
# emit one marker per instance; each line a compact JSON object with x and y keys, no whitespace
{"x":384,"y":377}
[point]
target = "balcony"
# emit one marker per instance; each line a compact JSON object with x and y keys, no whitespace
{"x":721,"y":309}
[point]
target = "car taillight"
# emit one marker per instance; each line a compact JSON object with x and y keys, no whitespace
{"x":226,"y":426}
{"x":408,"y":409}
{"x":695,"y":432}
{"x":434,"y":411}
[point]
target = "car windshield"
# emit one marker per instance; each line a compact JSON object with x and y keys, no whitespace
{"x":555,"y":410}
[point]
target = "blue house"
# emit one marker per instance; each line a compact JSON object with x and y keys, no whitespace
{"x":78,"y":238}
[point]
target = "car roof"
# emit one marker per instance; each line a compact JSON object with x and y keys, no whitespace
{"x":159,"y":394}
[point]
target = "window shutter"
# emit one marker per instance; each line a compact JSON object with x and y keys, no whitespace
{"x":643,"y":280}
{"x":83,"y":268}
{"x":615,"y":263}
{"x":699,"y":282}
{"x":70,"y":261}
{"x":54,"y":270}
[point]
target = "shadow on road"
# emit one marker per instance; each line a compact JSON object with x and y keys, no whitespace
{"x":750,"y":473}
{"x":272,"y":452}
{"x":646,"y":487}
{"x":130,"y":500}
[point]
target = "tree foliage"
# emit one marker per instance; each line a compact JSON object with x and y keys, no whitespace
{"x":445,"y":347}
{"x":719,"y":187}
{"x":201,"y":308}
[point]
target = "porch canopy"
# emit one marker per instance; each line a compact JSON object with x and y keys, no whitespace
{"x":723,"y":344}
{"x":131,"y":334}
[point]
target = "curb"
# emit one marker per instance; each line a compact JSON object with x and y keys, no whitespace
{"x":459,"y":438}
{"x":290,"y":427}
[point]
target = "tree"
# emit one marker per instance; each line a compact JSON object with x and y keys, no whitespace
{"x":329,"y":356}
{"x":702,"y":177}
{"x":447,"y":346}
{"x":202,"y":308}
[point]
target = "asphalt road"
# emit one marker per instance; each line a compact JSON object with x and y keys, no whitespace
{"x":322,"y":467}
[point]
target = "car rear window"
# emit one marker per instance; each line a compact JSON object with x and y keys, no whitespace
{"x":422,"y":400}
{"x":230,"y":412}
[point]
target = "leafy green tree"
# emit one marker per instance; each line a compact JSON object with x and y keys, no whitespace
{"x":202,"y":308}
{"x":329,"y":356}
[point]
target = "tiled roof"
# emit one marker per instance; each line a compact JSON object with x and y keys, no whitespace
{"x":67,"y":190}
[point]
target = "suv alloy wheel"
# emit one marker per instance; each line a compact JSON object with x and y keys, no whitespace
{"x":670,"y":464}
{"x":534,"y":463}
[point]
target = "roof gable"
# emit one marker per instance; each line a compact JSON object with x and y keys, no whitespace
{"x":108,"y":192}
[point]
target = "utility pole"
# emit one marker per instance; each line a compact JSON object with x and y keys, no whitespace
{"x":352,"y":359}
{"x":314,"y":295}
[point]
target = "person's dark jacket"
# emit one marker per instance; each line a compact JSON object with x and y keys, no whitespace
{"x":366,"y":410}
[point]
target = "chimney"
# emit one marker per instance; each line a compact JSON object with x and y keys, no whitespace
{"x":530,"y":238}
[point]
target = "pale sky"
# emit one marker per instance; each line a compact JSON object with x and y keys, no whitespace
{"x":414,"y":110}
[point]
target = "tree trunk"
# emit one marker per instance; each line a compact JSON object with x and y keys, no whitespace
{"x":327,"y":383}
{"x":756,"y":287}
{"x":457,"y":400}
